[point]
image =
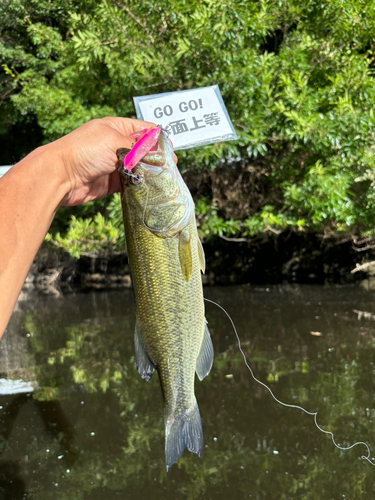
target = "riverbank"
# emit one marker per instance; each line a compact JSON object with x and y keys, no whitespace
{"x":287,"y":257}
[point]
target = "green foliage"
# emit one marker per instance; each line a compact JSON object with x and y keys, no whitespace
{"x":297,"y":79}
{"x":210,"y":223}
{"x":93,"y":234}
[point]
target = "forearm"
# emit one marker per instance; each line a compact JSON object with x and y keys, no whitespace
{"x":75,"y":169}
{"x":29,"y":197}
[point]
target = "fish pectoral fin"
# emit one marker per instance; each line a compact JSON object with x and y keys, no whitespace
{"x":206,"y":354}
{"x":184,"y":254}
{"x":145,"y":366}
{"x":201,"y":257}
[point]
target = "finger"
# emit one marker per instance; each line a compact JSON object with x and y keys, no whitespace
{"x":127,"y":126}
{"x":120,"y":124}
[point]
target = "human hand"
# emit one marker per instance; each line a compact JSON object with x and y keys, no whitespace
{"x":88,"y":157}
{"x":77,"y":168}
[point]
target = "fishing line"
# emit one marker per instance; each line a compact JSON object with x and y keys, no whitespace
{"x":313,"y":414}
{"x":145,"y":208}
{"x":142,"y":181}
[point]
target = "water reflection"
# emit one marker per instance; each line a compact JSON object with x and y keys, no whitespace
{"x":93,"y":429}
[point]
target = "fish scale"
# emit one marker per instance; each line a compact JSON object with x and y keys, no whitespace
{"x":165,"y":264}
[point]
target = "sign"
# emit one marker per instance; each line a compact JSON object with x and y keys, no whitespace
{"x":192,"y":117}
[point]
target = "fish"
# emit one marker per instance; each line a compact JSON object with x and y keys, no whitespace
{"x":166,"y":259}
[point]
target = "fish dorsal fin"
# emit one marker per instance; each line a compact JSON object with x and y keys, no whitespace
{"x":206,"y":354}
{"x":144,"y":365}
{"x":184,"y":254}
{"x":201,"y":257}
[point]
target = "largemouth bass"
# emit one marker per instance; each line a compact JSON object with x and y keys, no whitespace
{"x":166,"y":259}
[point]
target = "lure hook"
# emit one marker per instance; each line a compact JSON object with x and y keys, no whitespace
{"x":132,"y":178}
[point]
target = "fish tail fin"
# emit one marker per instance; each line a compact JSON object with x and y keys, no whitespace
{"x":183,"y":431}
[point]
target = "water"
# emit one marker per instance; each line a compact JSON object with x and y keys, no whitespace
{"x":92,"y":429}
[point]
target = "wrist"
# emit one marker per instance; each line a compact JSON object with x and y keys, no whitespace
{"x":44,"y":169}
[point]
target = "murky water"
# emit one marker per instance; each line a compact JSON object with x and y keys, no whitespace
{"x":92,"y":429}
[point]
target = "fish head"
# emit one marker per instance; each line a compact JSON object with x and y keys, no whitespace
{"x":156,"y":193}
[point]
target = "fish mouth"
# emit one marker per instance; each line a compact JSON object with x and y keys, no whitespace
{"x":152,"y":163}
{"x":160,"y":152}
{"x":155,"y":161}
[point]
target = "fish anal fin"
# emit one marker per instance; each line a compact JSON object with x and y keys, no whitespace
{"x":184,"y":254}
{"x":183,"y":431}
{"x":144,"y":365}
{"x":206,"y":354}
{"x":201,"y":257}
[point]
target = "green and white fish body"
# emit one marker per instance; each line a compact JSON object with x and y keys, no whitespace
{"x":166,"y":259}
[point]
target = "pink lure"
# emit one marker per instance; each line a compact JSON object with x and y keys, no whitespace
{"x":143,"y":145}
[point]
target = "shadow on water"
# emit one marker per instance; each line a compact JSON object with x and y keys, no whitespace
{"x":12,"y":487}
{"x":92,"y":429}
{"x":56,"y":424}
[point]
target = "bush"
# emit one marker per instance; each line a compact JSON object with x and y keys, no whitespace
{"x":297,"y":79}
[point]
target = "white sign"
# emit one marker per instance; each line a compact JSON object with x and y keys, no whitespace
{"x":192,"y":117}
{"x":8,"y":386}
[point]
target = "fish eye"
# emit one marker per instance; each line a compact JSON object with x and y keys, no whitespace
{"x":131,"y":178}
{"x":136,"y":179}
